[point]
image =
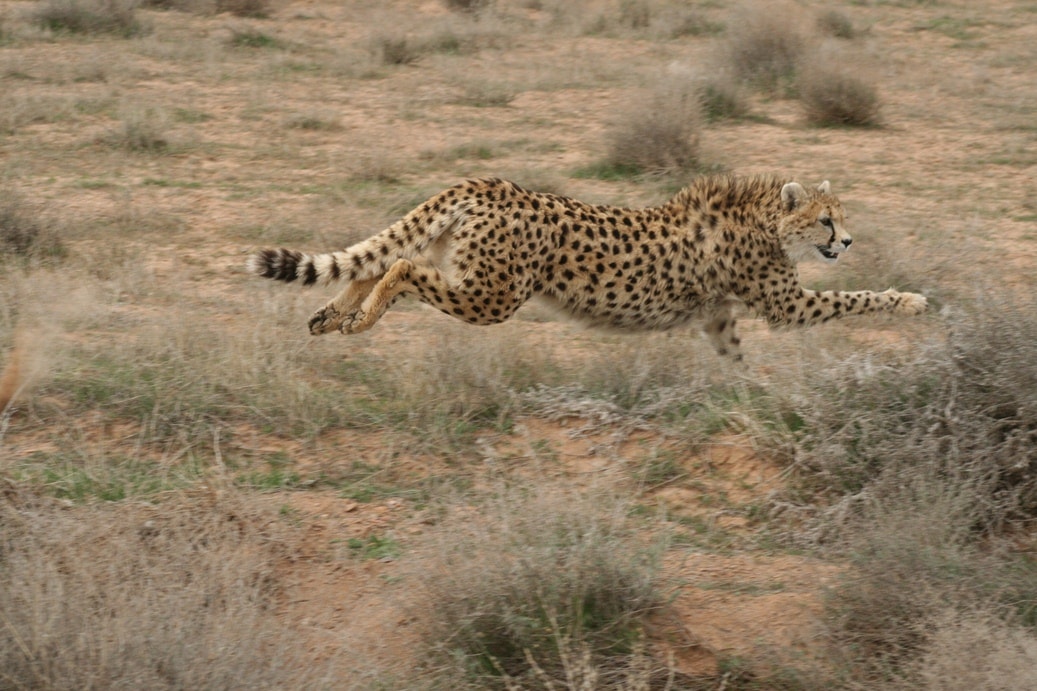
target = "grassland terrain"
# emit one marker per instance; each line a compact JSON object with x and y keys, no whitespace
{"x":196,"y":493}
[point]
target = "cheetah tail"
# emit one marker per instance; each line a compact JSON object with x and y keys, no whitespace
{"x":285,"y":265}
{"x":367,"y":259}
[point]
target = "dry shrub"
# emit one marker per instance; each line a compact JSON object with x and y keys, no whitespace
{"x":251,"y":37}
{"x":89,"y":16}
{"x":394,"y":49}
{"x":257,"y":9}
{"x":181,"y":379}
{"x":541,"y":587}
{"x":723,"y":99}
{"x":831,"y":96}
{"x":635,"y":14}
{"x":766,"y":41}
{"x":914,"y":565}
{"x":679,"y":20}
{"x":23,"y":232}
{"x":172,"y":596}
{"x":836,"y":24}
{"x":471,"y":6}
{"x":964,"y":409}
{"x":659,"y":134}
{"x":393,"y":43}
{"x":909,"y":559}
{"x":142,"y":129}
{"x":904,"y":463}
{"x":460,"y":379}
{"x":970,"y":651}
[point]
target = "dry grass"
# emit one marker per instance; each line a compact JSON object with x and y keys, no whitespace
{"x":89,"y":17}
{"x":176,"y":595}
{"x":964,"y":409}
{"x":152,"y":362}
{"x":917,"y":576}
{"x":835,"y":97}
{"x":545,"y":588}
{"x":722,"y":99}
{"x":24,"y":232}
{"x":911,"y":468}
{"x":837,"y":24}
{"x":394,"y":50}
{"x":660,"y":134}
{"x":253,"y":9}
{"x":141,"y":129}
{"x":766,"y":42}
{"x":976,"y":650}
{"x":459,"y":382}
{"x":470,"y":6}
{"x":256,"y":9}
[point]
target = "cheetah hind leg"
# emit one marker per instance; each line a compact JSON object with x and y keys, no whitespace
{"x":343,"y":308}
{"x":363,"y":303}
{"x":720,"y":327}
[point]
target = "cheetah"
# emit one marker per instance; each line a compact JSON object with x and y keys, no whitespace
{"x":721,"y":248}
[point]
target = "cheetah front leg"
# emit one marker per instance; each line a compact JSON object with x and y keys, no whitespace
{"x":720,"y":327}
{"x":801,"y":307}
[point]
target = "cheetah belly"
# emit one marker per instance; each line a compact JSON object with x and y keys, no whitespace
{"x":650,"y":315}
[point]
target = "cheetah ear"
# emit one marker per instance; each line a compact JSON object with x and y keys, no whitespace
{"x":825,"y":187}
{"x":792,"y":194}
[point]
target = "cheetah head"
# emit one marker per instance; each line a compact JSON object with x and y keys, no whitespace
{"x":812,"y":224}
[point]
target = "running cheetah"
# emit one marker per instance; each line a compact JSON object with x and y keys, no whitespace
{"x":722,"y":247}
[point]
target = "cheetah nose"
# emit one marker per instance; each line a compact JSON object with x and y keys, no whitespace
{"x":847,"y":242}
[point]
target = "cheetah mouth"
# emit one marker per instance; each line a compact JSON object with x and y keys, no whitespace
{"x":827,"y":252}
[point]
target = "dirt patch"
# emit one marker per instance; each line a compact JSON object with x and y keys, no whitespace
{"x":744,"y":607}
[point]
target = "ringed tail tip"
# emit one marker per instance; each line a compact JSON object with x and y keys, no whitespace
{"x":278,"y":264}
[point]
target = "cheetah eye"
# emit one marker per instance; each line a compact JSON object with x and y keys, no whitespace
{"x":825,"y":221}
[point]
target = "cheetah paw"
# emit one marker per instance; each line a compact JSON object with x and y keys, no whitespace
{"x":351,"y":323}
{"x":324,"y":320}
{"x":912,"y":303}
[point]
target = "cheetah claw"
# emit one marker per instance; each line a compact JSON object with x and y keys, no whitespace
{"x":324,"y":320}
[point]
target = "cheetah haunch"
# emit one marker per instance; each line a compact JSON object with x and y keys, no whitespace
{"x":721,"y":247}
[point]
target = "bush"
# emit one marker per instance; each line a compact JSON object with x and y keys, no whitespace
{"x":248,"y":37}
{"x":540,"y":587}
{"x":976,"y":650}
{"x":723,"y":99}
{"x":172,"y":596}
{"x":256,"y":9}
{"x":468,"y":5}
{"x":22,"y":232}
{"x":766,"y":42}
{"x":909,"y":558}
{"x":89,"y":16}
{"x":914,"y":573}
{"x":836,"y":24}
{"x":833,"y":97}
{"x":661,"y":134}
{"x":142,"y":130}
{"x":964,"y":410}
{"x":395,"y":50}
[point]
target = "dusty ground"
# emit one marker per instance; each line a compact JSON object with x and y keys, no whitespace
{"x":313,"y":143}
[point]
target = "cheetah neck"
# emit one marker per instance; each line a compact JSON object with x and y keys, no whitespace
{"x":754,"y":200}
